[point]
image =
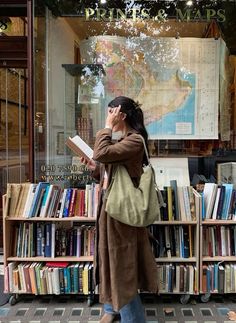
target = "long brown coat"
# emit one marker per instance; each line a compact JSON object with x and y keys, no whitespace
{"x":124,"y":261}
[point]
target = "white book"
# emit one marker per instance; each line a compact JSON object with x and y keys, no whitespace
{"x":177,"y":283}
{"x":226,"y":173}
{"x":191,"y":280}
{"x":45,"y":204}
{"x":29,"y":200}
{"x":214,"y":214}
{"x":79,"y":146}
{"x":56,"y":281}
{"x":197,"y":202}
{"x":11,"y":266}
{"x":50,"y":280}
{"x":22,"y":278}
{"x":87,"y":199}
{"x":181,"y":203}
{"x":62,"y":203}
{"x":209,"y":193}
{"x":187,"y":203}
{"x":53,"y":233}
{"x":223,"y":241}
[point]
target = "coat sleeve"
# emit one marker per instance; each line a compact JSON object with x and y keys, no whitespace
{"x":105,"y":151}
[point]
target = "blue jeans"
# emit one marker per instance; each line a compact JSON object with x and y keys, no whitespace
{"x":132,"y":312}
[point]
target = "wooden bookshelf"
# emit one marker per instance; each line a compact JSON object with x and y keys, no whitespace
{"x":171,"y":251}
{"x":9,"y":226}
{"x":217,"y":245}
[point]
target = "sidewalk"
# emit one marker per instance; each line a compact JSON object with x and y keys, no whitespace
{"x":44,"y":309}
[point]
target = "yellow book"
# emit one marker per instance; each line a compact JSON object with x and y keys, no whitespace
{"x":22,"y":199}
{"x":170,"y":203}
{"x":15,"y":193}
{"x":85,"y":279}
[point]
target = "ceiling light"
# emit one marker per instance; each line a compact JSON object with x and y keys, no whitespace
{"x":103,"y":1}
{"x":189,"y":3}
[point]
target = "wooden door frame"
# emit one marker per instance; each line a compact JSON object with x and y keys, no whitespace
{"x":17,"y":52}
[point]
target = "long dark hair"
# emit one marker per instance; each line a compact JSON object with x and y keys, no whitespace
{"x":134,"y":116}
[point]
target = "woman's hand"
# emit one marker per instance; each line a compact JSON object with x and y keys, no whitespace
{"x":113,"y":117}
{"x":90,"y":163}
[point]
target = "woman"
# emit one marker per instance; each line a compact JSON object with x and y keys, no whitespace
{"x":124,"y":260}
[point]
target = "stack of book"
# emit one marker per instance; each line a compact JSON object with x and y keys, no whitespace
{"x":219,"y":278}
{"x":49,"y":278}
{"x":219,"y":201}
{"x":173,"y":241}
{"x":52,"y":240}
{"x":49,"y":200}
{"x":180,"y":203}
{"x":178,"y":278}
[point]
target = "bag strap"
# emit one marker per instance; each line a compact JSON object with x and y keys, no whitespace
{"x":159,"y":195}
{"x":145,"y":148}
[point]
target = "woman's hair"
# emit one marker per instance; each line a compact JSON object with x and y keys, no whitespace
{"x":134,"y":116}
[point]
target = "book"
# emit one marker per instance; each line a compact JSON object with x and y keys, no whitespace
{"x":226,"y":204}
{"x":209,"y":193}
{"x":226,"y":173}
{"x":173,"y":184}
{"x":79,"y":147}
{"x":14,"y":194}
{"x":37,"y":199}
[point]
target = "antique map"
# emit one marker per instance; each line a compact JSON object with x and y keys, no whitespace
{"x":175,"y":80}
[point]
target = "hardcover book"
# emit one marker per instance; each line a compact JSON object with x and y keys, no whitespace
{"x":79,"y":147}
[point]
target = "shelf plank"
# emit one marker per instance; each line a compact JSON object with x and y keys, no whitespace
{"x":55,"y":259}
{"x":218,"y":222}
{"x":175,"y":222}
{"x":176,"y":259}
{"x":219,"y":258}
{"x":69,"y":219}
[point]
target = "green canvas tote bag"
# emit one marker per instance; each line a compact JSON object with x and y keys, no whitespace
{"x":135,"y":206}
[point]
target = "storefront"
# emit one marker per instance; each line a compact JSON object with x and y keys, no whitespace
{"x":168,"y":55}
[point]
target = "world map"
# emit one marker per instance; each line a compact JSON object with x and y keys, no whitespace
{"x":175,"y":80}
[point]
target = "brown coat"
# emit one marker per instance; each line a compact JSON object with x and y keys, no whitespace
{"x":124,"y":261}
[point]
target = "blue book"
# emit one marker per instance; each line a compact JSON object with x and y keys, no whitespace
{"x":65,"y":275}
{"x":203,"y":206}
{"x":37,"y":198}
{"x":216,"y":268}
{"x":48,"y":240}
{"x":221,"y":202}
{"x":227,"y":199}
{"x":68,"y":272}
{"x":67,"y":203}
{"x":76,"y":277}
{"x":39,"y":240}
{"x":208,"y":279}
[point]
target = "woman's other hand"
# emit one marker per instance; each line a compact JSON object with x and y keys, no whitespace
{"x":90,"y":163}
{"x":113,"y":116}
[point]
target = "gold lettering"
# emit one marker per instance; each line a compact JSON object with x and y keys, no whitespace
{"x":186,"y":16}
{"x":120,"y":15}
{"x":134,"y":13}
{"x":101,"y":14}
{"x":161,"y":15}
{"x":197,"y":15}
{"x":89,"y":12}
{"x":111,"y":14}
{"x":145,"y":13}
{"x":221,"y":15}
{"x":210,"y":13}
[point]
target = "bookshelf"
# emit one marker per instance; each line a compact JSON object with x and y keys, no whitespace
{"x":57,"y":259}
{"x":217,"y":241}
{"x":175,"y":243}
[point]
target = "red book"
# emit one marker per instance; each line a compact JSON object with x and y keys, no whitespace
{"x":59,"y":264}
{"x":73,"y":202}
